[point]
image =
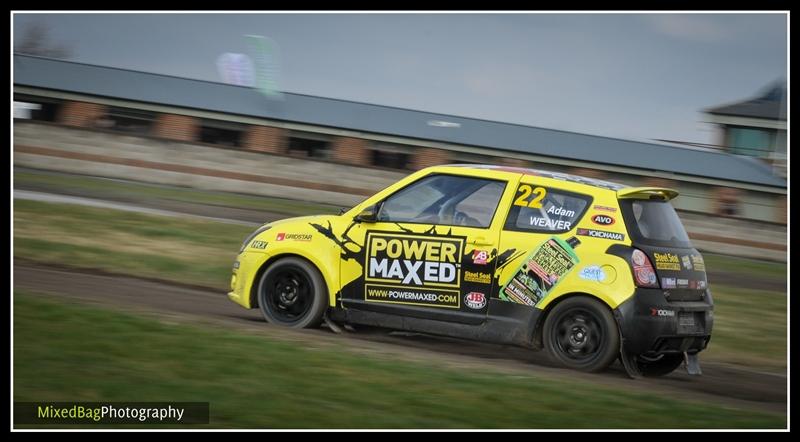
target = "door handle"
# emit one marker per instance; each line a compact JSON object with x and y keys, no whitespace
{"x":480,"y":241}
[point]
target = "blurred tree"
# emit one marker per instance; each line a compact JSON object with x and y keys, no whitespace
{"x":35,"y":40}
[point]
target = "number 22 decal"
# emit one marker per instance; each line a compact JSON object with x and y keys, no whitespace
{"x":525,"y":191}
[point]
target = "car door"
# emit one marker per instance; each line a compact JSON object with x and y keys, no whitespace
{"x":430,"y":251}
{"x":538,"y":240}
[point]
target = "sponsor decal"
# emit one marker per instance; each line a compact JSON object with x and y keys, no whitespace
{"x":475,"y":300}
{"x":550,"y":224}
{"x":661,"y":312}
{"x":293,"y":237}
{"x":517,"y":290}
{"x":415,"y":260}
{"x":602,"y":234}
{"x":259,"y":244}
{"x":541,"y":271}
{"x":480,"y":257}
{"x":701,"y":284}
{"x":692,"y":284}
{"x":698,"y":262}
{"x":481,"y":278}
{"x":683,"y":283}
{"x":668,"y":283}
{"x":603,"y":220}
{"x":592,"y":273}
{"x":412,"y":296}
{"x":687,"y":262}
{"x":605,"y":208}
{"x":667,"y":261}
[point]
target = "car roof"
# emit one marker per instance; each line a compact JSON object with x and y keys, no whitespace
{"x":592,"y":182}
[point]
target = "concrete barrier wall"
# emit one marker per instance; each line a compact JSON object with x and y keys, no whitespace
{"x":154,"y":160}
{"x":90,"y":152}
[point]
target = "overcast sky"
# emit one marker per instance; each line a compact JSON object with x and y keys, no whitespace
{"x":635,"y":76}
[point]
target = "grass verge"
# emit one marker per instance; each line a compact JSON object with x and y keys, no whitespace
{"x":113,"y":189}
{"x":66,"y":352}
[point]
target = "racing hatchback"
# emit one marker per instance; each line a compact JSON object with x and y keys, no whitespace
{"x":589,"y":270}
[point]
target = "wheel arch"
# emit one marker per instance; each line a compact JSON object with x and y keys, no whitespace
{"x":538,"y":330}
{"x":271,"y":260}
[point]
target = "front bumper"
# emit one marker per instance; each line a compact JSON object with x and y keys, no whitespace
{"x":245,"y":270}
{"x":649,"y":323}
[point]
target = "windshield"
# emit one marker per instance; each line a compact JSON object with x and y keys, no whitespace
{"x":655,"y":223}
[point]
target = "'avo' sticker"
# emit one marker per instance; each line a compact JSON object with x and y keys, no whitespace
{"x":592,"y":273}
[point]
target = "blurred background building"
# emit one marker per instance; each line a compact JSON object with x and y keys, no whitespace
{"x":755,"y":127}
{"x":120,"y":123}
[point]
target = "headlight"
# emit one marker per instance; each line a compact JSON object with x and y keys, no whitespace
{"x":253,"y":235}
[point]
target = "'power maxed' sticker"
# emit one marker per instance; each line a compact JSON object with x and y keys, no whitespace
{"x":413,"y":269}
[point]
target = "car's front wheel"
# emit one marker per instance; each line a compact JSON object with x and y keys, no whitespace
{"x":292,"y":293}
{"x":581,"y":333}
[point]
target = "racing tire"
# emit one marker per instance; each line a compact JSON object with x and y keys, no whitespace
{"x":292,"y":293}
{"x":580,"y":333}
{"x":660,"y":366}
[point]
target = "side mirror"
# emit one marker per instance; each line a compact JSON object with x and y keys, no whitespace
{"x":368,"y":215}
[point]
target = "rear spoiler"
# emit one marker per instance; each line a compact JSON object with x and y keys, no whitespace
{"x":646,"y":193}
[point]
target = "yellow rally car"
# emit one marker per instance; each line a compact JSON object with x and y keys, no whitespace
{"x":589,"y":270}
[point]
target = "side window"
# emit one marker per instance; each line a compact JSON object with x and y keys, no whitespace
{"x":477,"y":209}
{"x":540,"y":209}
{"x":445,"y":199}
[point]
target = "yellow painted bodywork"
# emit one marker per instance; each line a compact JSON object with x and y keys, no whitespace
{"x":327,"y":255}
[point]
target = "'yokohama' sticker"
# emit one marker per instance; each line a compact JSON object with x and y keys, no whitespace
{"x":602,"y":234}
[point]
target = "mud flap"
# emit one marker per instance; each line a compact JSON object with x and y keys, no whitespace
{"x":628,"y":360}
{"x":692,"y":363}
{"x":331,"y":325}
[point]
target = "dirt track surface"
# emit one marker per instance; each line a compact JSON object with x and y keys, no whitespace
{"x":720,"y":383}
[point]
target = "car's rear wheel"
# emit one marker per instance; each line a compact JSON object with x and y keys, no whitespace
{"x":581,"y":333}
{"x":292,"y":293}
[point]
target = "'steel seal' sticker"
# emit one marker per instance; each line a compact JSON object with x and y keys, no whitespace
{"x":480,"y":278}
{"x":667,"y":261}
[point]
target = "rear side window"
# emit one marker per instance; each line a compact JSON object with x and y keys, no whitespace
{"x":540,"y":209}
{"x":655,"y":223}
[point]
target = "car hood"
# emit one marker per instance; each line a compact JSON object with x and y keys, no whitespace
{"x":302,"y":220}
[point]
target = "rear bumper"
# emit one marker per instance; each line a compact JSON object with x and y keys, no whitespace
{"x":651,"y":324}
